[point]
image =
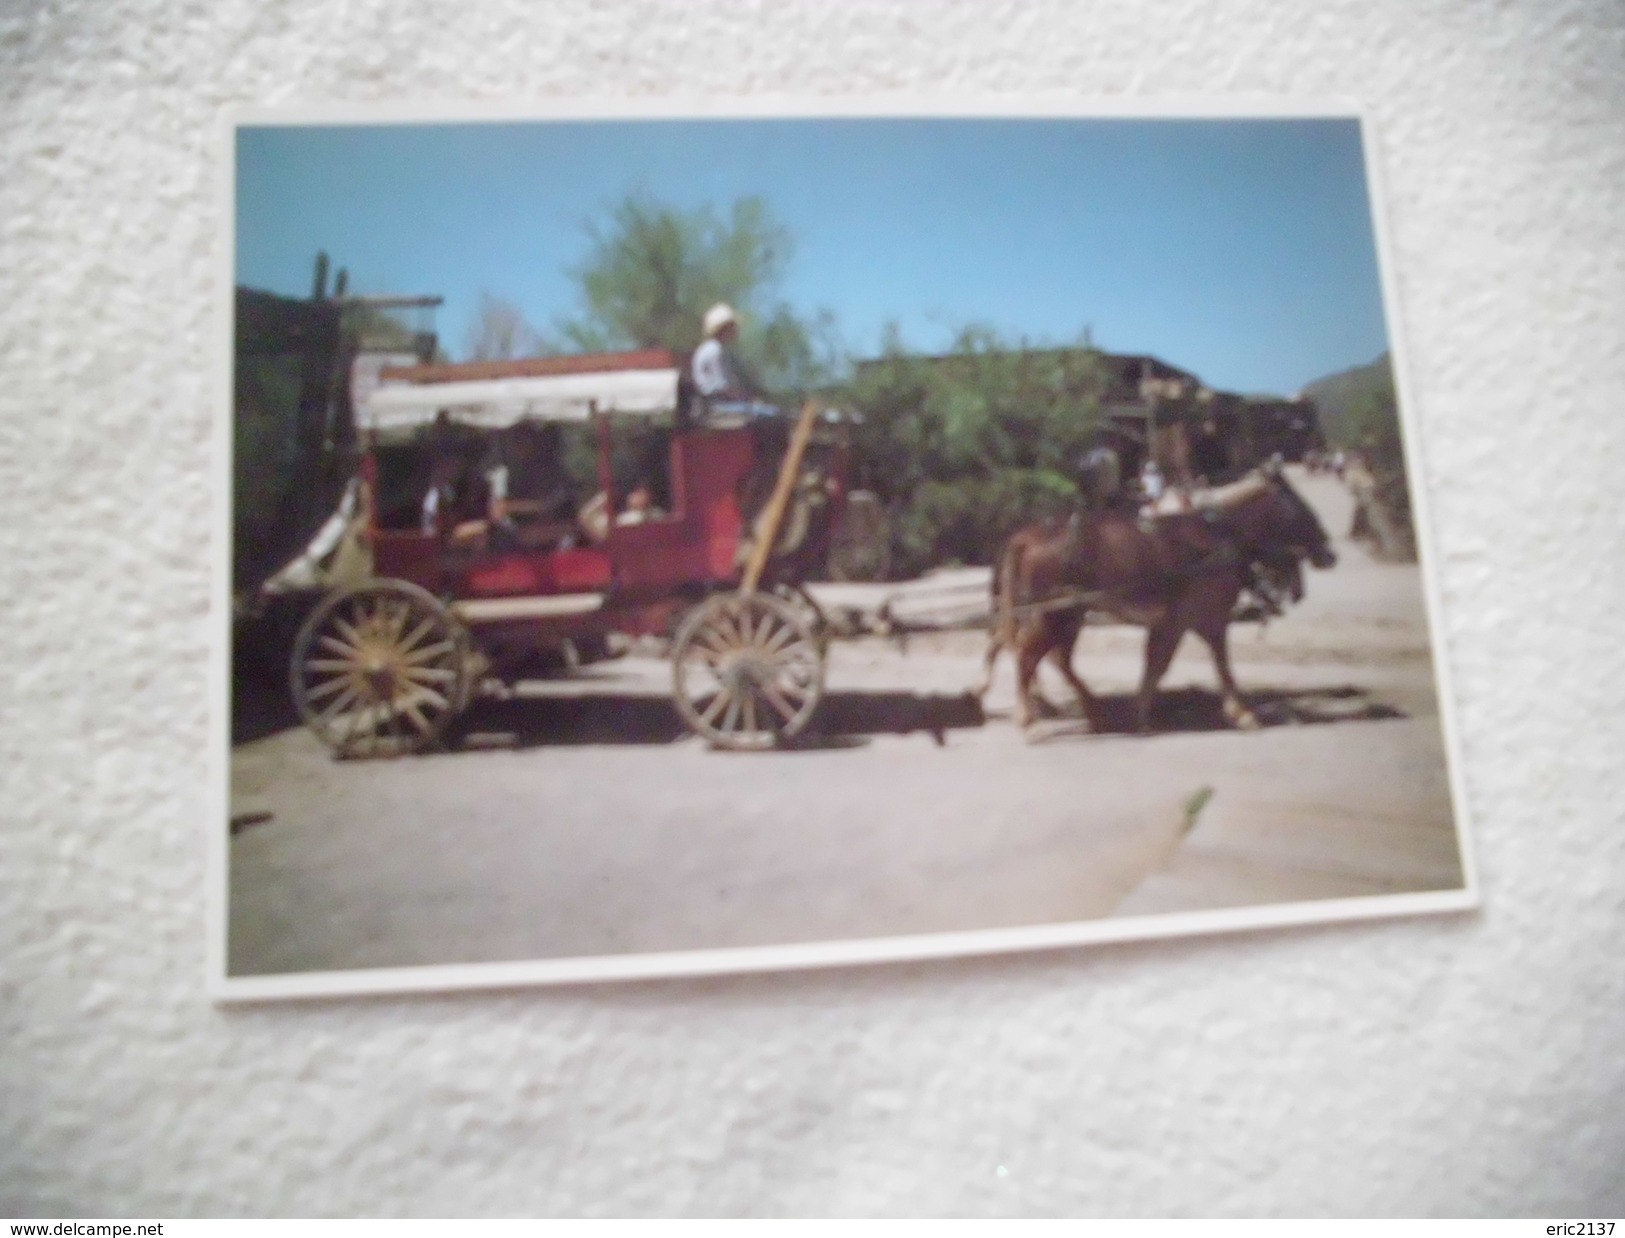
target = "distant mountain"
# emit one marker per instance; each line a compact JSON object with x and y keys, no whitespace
{"x":1340,"y":396}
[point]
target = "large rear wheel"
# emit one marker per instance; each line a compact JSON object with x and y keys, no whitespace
{"x":380,"y":670}
{"x":747,"y":670}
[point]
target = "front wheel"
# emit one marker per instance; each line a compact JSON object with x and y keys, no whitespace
{"x":747,"y":671}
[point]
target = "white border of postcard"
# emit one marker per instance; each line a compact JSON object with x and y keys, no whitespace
{"x":223,"y":987}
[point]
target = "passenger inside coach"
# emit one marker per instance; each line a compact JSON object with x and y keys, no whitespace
{"x":532,"y":504}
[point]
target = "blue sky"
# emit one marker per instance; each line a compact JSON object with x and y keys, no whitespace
{"x":1242,"y":250}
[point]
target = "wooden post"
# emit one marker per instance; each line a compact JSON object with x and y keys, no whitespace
{"x":606,"y":459}
{"x":368,"y":503}
{"x":1153,"y":433}
{"x":767,"y":531}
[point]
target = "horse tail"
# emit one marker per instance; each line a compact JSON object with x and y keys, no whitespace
{"x":1001,"y":610}
{"x":1006,"y":584}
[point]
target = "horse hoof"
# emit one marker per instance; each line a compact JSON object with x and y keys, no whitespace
{"x":1247,"y":721}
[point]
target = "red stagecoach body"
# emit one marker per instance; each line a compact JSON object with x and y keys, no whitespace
{"x":632,"y":579}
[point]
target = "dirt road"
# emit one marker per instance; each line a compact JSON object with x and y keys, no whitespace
{"x":581,"y":820}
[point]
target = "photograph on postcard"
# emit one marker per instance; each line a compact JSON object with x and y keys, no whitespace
{"x":689,"y":537}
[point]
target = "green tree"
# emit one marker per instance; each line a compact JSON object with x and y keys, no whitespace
{"x":963,"y":447}
{"x":968,"y":446}
{"x":653,"y":270}
{"x":1378,"y":437}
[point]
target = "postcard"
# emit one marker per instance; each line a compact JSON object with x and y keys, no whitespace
{"x":707,"y":537}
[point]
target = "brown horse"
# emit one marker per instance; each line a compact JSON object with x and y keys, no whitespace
{"x":1016,"y":547}
{"x":1175,"y":574}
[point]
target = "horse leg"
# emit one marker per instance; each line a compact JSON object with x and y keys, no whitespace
{"x":1041,"y":634}
{"x":1061,"y":656}
{"x":1160,"y":643}
{"x":1216,"y":633}
{"x":1055,"y":641}
{"x":1031,"y":646}
{"x":995,"y":645}
{"x":1034,"y":697}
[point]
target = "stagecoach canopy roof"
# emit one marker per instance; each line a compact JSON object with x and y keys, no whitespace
{"x":495,"y":395}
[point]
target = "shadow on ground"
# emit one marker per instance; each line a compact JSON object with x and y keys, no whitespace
{"x":844,"y":720}
{"x":1198,"y":709}
{"x":262,"y":706}
{"x":261,"y":701}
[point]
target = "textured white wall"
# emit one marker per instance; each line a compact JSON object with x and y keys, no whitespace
{"x":1444,"y":1066}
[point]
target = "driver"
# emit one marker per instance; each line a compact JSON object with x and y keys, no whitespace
{"x":717,"y":374}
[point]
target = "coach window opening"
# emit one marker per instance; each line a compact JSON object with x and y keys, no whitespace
{"x":447,"y":468}
{"x":636,"y":473}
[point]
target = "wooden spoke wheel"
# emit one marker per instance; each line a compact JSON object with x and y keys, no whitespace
{"x":799,"y":599}
{"x":379,"y":670}
{"x":748,"y":670}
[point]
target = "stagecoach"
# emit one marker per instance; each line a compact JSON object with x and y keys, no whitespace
{"x":432,"y":610}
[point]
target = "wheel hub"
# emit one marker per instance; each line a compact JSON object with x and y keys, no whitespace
{"x":741,"y":672}
{"x":380,"y":678}
{"x":756,"y":668}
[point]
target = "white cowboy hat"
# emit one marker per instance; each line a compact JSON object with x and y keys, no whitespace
{"x":719,"y":316}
